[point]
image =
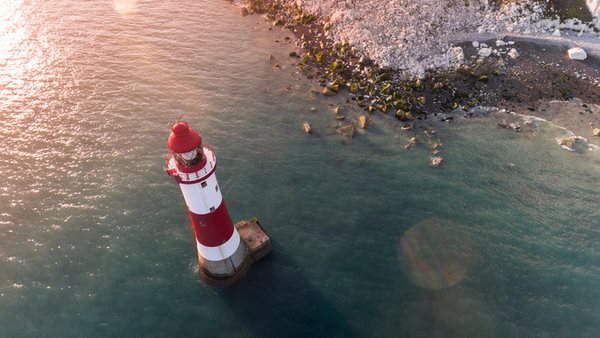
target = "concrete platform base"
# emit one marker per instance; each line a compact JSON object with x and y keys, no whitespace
{"x":255,"y":245}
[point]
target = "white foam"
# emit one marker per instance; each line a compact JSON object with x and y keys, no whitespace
{"x":591,"y":146}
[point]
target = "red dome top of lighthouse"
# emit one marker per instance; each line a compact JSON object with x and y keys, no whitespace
{"x":183,"y":138}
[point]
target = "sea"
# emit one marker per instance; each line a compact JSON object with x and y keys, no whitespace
{"x":368,"y":239}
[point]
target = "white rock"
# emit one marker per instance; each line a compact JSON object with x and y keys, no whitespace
{"x":476,"y":44}
{"x":458,"y":54}
{"x":577,"y":54}
{"x":500,"y":43}
{"x":556,"y":32}
{"x":485,"y":52}
{"x":513,"y":53}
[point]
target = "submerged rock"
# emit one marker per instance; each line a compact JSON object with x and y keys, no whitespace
{"x":577,"y":54}
{"x":515,"y":126}
{"x":568,"y":142}
{"x":347,"y":131}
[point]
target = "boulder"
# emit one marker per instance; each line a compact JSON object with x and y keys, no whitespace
{"x":407,"y":126}
{"x":337,"y":109}
{"x":271,"y":58}
{"x":577,"y":54}
{"x":347,"y":131}
{"x":513,"y":53}
{"x":503,"y":124}
{"x":596,"y":131}
{"x":294,"y":55}
{"x":413,"y":140}
{"x":340,"y":117}
{"x":362,"y":121}
{"x":307,"y":128}
{"x":437,"y":146}
{"x":436,"y":161}
{"x":435,"y":152}
{"x":334,"y":87}
{"x":485,"y":52}
{"x":327,"y":92}
{"x":404,"y":115}
{"x":244,"y":11}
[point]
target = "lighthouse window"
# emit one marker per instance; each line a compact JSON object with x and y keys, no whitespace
{"x":216,"y":188}
{"x":203,"y":184}
{"x":212,"y":209}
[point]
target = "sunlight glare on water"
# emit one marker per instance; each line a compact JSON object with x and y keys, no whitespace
{"x":369,"y":240}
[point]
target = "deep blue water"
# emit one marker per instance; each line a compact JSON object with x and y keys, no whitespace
{"x":369,"y":240}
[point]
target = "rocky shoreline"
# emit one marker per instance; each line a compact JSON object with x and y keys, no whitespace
{"x":509,"y":74}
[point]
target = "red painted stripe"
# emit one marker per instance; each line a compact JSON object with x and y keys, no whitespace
{"x":213,"y":229}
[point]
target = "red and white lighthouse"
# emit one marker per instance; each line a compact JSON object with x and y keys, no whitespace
{"x":222,"y":255}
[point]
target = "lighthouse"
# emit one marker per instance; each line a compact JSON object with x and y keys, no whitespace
{"x":224,"y":256}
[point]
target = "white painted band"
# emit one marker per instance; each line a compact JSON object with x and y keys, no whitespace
{"x":221,"y":252}
{"x":202,"y":196}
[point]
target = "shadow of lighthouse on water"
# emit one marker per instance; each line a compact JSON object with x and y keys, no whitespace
{"x":275,"y":299}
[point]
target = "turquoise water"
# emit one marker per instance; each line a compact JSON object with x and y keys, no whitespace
{"x":369,"y":240}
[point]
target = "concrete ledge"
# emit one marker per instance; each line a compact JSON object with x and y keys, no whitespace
{"x":255,"y":243}
{"x":254,"y":236}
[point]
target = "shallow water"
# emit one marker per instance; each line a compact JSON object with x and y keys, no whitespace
{"x":369,"y":240}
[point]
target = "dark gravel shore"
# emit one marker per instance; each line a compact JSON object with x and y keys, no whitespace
{"x":525,"y":84}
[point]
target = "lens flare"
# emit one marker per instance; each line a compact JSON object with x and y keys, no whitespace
{"x":434,"y":254}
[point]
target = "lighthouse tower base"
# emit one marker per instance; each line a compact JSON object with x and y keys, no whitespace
{"x":254,"y":245}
